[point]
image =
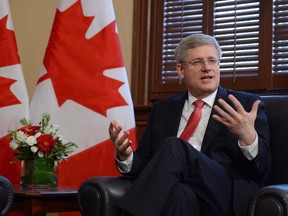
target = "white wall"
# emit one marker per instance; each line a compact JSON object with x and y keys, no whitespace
{"x":32,"y":24}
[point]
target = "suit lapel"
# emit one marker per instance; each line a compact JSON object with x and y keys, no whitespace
{"x":213,"y":126}
{"x":174,"y":112}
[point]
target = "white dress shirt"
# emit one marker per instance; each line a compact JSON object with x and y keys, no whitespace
{"x":196,"y":139}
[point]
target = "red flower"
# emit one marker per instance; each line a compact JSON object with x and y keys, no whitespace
{"x":30,"y":130}
{"x":45,"y":143}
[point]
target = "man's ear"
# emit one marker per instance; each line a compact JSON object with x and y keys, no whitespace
{"x":180,"y":70}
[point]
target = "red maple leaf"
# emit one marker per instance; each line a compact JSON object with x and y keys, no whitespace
{"x":8,"y":48}
{"x":7,"y":98}
{"x":75,"y":64}
{"x":8,"y":56}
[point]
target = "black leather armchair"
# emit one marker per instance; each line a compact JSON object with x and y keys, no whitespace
{"x":99,"y":196}
{"x":6,"y":196}
{"x":272,"y":200}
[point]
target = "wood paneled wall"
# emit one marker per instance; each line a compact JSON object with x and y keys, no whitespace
{"x":141,"y":118}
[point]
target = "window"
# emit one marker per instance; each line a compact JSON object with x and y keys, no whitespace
{"x":280,"y":37}
{"x":236,"y":28}
{"x":180,"y":20}
{"x":253,"y":35}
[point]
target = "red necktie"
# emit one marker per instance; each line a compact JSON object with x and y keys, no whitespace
{"x":193,"y":120}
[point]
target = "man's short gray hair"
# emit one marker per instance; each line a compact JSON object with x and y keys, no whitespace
{"x":193,"y":41}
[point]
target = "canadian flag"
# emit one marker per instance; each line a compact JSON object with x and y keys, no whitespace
{"x":14,"y":102}
{"x":83,"y":86}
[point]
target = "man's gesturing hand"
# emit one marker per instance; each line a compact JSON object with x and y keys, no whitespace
{"x":120,"y":141}
{"x":238,"y":121}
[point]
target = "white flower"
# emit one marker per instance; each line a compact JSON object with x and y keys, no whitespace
{"x":40,"y":154}
{"x":20,"y":137}
{"x":13,"y":145}
{"x":61,"y":139}
{"x":34,"y":149}
{"x":31,"y":140}
{"x":52,"y":129}
{"x":38,"y":135}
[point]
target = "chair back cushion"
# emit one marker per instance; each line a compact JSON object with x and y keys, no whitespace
{"x":277,"y":114}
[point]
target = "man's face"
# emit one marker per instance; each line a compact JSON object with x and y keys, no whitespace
{"x":200,"y":71}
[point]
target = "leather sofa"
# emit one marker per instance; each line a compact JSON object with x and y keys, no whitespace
{"x":98,"y":196}
{"x":6,"y":196}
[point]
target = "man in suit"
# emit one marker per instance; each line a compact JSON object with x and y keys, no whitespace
{"x":216,"y":169}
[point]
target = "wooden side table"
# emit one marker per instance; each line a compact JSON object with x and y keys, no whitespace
{"x":35,"y":201}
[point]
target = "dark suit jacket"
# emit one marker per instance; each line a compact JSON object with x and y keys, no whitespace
{"x":219,"y":143}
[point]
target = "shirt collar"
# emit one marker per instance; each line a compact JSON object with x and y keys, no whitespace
{"x":209,"y":100}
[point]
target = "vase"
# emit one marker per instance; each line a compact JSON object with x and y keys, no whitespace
{"x":40,"y":172}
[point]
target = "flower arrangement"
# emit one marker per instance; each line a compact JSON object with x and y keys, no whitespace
{"x":40,"y":141}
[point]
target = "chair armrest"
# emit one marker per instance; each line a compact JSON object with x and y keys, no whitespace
{"x":99,"y":196}
{"x":270,"y":201}
{"x":6,"y":195}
